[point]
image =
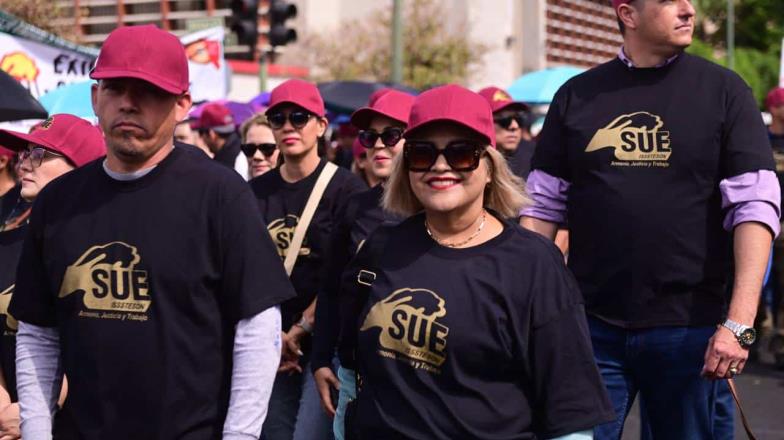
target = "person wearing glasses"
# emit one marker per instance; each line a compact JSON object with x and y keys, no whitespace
{"x":511,"y":129}
{"x":381,"y":126}
{"x":56,"y":146}
{"x":464,"y":324}
{"x":296,"y":115}
{"x":258,"y":146}
{"x":218,"y":132}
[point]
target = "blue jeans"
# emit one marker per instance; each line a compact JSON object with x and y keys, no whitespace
{"x":348,"y":392}
{"x":663,"y":365}
{"x":723,"y":422}
{"x":295,"y":409}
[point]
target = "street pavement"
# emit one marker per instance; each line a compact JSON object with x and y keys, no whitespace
{"x":761,"y":390}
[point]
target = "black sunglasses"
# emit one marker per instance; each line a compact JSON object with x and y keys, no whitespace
{"x":390,"y":136}
{"x":297,"y":118}
{"x":267,"y":149}
{"x":506,"y":121}
{"x":461,"y":155}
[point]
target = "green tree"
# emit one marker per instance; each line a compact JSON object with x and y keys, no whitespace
{"x":361,"y":48}
{"x":40,"y":13}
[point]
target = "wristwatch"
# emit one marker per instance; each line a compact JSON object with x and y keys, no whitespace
{"x":305,"y":325}
{"x":746,"y":335}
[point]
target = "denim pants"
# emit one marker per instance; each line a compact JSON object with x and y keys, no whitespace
{"x":723,"y":421}
{"x":348,"y":391}
{"x":295,"y":409}
{"x":663,"y":365}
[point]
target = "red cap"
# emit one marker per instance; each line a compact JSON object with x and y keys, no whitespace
{"x":146,"y":53}
{"x":393,"y":104}
{"x":499,"y":99}
{"x":357,"y":148}
{"x":73,"y":137}
{"x":347,"y":130}
{"x":617,"y":3}
{"x":6,"y":152}
{"x":216,"y":117}
{"x":377,"y":94}
{"x":298,"y":92}
{"x":456,"y":104}
{"x":775,"y":98}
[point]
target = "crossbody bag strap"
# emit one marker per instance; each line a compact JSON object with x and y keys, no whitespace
{"x":743,"y":419}
{"x":307,"y":215}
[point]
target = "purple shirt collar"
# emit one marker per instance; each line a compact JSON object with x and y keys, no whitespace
{"x":630,"y":64}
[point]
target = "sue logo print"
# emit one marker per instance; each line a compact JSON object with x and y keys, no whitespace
{"x":282,"y":233}
{"x":411,"y":327}
{"x":110,"y":280}
{"x":11,"y":325}
{"x":637,"y":140}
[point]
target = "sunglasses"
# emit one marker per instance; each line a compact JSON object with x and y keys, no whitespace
{"x":36,"y":155}
{"x":506,"y":121}
{"x":267,"y":149}
{"x":297,"y":118}
{"x":461,"y":155}
{"x":390,"y":136}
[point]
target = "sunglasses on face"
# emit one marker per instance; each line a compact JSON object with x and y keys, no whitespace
{"x":461,"y":155}
{"x":266,"y":149}
{"x":390,"y":136}
{"x":506,"y":121}
{"x":36,"y":155}
{"x":297,"y":118}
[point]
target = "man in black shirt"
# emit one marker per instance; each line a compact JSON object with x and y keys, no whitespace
{"x":217,"y":131}
{"x":661,"y":164}
{"x":511,"y":129}
{"x":146,"y":277}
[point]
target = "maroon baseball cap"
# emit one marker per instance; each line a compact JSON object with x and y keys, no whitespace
{"x":775,"y":98}
{"x":456,"y":104}
{"x":296,"y":91}
{"x":377,"y":94}
{"x":73,"y":137}
{"x":393,"y":104}
{"x":6,"y":152}
{"x":146,"y":53}
{"x":499,"y":100}
{"x":217,"y":117}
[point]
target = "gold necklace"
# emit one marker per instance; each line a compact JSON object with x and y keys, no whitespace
{"x":462,"y":243}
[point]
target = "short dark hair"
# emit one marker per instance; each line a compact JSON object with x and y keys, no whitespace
{"x":621,"y":26}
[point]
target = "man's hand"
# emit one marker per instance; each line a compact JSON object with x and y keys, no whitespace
{"x":724,"y":351}
{"x":289,"y":354}
{"x":9,"y":422}
{"x":325,"y":378}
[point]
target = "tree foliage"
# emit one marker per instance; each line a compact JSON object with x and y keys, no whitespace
{"x":40,"y":13}
{"x":361,"y":49}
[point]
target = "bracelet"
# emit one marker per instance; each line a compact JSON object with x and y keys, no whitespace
{"x":304,"y":325}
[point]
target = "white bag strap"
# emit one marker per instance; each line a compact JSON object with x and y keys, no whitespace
{"x":307,"y":215}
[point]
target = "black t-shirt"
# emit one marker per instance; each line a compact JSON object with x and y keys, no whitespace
{"x":644,"y":151}
{"x":12,"y":205}
{"x":488,"y":342}
{"x":231,"y":149}
{"x":281,"y":204}
{"x":361,"y":215}
{"x":520,"y":159}
{"x":10,"y":249}
{"x":145,"y":281}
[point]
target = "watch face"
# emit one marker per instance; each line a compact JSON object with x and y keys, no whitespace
{"x":747,"y":337}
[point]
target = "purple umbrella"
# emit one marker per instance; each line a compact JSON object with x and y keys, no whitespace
{"x":240,"y":111}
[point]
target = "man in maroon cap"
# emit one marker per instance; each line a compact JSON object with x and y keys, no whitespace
{"x":218,"y":132}
{"x":512,"y":126}
{"x":140,"y":276}
{"x":56,"y":146}
{"x":296,"y":116}
{"x":659,"y":163}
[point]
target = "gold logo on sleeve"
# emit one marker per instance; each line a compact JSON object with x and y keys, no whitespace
{"x":637,"y":139}
{"x":411,"y":330}
{"x":108,"y":278}
{"x":282,"y":233}
{"x":5,"y":301}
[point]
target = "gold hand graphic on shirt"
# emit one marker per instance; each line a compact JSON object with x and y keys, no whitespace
{"x":5,"y":301}
{"x":634,"y":137}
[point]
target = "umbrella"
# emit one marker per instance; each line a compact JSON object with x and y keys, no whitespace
{"x":71,"y":98}
{"x":16,"y":102}
{"x":348,"y":96}
{"x":540,"y":86}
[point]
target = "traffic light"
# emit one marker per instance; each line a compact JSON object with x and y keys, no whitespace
{"x":245,"y":21}
{"x":279,"y":12}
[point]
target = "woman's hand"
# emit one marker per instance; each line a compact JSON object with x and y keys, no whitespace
{"x":9,"y":422}
{"x":325,"y":378}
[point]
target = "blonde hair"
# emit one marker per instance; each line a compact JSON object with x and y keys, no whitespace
{"x":505,"y":194}
{"x":257,"y":119}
